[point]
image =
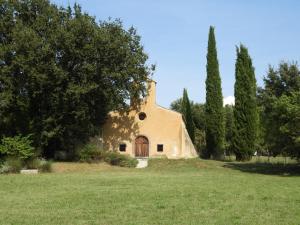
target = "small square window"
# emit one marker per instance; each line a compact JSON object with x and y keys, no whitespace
{"x":160,"y":148}
{"x":122,"y":148}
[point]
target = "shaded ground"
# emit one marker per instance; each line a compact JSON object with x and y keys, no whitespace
{"x":266,"y":168}
{"x":282,"y":166}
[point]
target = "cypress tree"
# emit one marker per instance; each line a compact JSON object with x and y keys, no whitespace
{"x":187,"y":114}
{"x":245,"y":110}
{"x":215,"y":131}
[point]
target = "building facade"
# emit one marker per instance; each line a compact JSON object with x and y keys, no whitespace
{"x":148,"y":130}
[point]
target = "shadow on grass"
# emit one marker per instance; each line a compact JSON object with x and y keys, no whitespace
{"x":266,"y":168}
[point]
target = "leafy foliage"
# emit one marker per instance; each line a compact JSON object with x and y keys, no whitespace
{"x":33,"y":163}
{"x":245,"y":110}
{"x":17,"y":147}
{"x":198,"y":114}
{"x":215,"y":132}
{"x":12,"y":165}
{"x":280,"y":103}
{"x":4,"y":168}
{"x":117,"y":159}
{"x":229,"y":128}
{"x":45,"y":166}
{"x":187,"y":115}
{"x":61,"y":72}
{"x":42,"y":165}
{"x":91,"y":153}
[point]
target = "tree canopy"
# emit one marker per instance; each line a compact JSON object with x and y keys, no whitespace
{"x":215,"y":132}
{"x":61,"y":72}
{"x":187,"y":115}
{"x":280,"y":103}
{"x":245,"y":110}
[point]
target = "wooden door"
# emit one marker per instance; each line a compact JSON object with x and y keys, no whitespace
{"x":141,"y":147}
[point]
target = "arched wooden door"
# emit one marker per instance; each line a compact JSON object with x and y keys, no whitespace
{"x":141,"y":147}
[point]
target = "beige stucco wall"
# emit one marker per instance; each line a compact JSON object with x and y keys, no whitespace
{"x":161,"y":126}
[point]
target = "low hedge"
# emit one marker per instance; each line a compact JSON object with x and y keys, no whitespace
{"x":15,"y":165}
{"x":18,"y":153}
{"x":92,"y":154}
{"x":117,"y":159}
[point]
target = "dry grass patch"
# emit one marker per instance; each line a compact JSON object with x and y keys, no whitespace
{"x":74,"y":167}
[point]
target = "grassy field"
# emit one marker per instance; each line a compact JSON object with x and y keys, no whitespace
{"x":167,"y":192}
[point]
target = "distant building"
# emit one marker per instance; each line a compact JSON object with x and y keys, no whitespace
{"x":228,"y":101}
{"x":148,"y":130}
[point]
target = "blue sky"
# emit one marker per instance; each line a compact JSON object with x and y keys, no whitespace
{"x":174,"y":34}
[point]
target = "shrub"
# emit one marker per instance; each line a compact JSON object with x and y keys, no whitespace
{"x":33,"y":163}
{"x":61,"y":156}
{"x":114,"y":158}
{"x":41,"y":164}
{"x":2,"y":161}
{"x":17,"y":147}
{"x":45,"y":166}
{"x":13,"y":165}
{"x":117,"y":159}
{"x":91,"y":153}
{"x":129,"y":162}
{"x":4,"y":168}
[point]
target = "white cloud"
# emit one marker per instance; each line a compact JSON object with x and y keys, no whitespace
{"x":229,"y":100}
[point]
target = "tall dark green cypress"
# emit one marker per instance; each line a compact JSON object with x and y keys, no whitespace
{"x":245,"y":110}
{"x":215,"y":131}
{"x":187,"y":114}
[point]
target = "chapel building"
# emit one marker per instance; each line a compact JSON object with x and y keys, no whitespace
{"x":148,"y":130}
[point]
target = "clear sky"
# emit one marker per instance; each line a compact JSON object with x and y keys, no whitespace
{"x":174,"y":34}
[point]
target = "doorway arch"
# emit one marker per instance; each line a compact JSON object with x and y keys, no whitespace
{"x":141,"y":146}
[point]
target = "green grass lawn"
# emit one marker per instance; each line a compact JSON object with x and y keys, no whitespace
{"x":167,"y":192}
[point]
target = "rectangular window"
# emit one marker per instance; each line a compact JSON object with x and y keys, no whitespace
{"x":122,"y":148}
{"x":160,"y":148}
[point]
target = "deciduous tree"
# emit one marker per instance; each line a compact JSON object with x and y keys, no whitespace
{"x":280,"y":103}
{"x":61,"y":72}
